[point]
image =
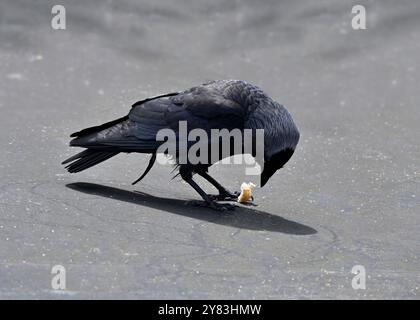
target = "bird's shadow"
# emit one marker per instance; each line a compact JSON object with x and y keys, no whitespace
{"x":241,"y":217}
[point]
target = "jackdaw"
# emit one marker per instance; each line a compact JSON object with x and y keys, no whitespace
{"x":221,"y":104}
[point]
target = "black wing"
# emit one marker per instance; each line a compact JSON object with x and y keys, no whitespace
{"x":200,"y":107}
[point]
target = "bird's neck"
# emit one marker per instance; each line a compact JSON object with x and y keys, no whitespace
{"x":280,"y":132}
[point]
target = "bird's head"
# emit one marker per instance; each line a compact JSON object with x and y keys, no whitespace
{"x":273,"y":163}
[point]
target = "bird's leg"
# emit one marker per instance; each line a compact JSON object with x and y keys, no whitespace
{"x":224,"y":194}
{"x":208,"y":202}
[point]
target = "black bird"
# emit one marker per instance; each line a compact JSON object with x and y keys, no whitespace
{"x":222,"y":104}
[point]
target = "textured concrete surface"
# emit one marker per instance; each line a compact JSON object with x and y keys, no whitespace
{"x":349,"y":196}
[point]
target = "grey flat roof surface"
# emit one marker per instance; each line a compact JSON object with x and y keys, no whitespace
{"x":349,"y":196}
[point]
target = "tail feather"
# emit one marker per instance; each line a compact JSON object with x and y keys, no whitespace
{"x":149,"y":166}
{"x":87,"y":159}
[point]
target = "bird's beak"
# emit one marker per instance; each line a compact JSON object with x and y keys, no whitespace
{"x":266,"y":174}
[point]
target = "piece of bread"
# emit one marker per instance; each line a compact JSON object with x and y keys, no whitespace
{"x":246,"y":192}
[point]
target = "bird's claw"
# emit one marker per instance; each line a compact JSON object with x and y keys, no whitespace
{"x":226,"y":196}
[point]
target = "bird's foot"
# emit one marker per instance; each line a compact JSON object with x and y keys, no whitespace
{"x":225,"y":196}
{"x":212,"y":205}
